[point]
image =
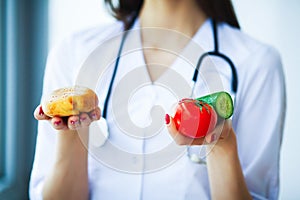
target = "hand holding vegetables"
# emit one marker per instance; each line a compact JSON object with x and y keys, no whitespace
{"x":195,"y":118}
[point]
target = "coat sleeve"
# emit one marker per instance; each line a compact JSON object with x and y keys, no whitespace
{"x":259,"y":121}
{"x":56,"y":76}
{"x":62,"y":69}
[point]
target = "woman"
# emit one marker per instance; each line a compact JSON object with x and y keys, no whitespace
{"x":243,"y":164}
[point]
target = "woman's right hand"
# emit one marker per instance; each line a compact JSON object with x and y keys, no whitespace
{"x":71,"y":150}
{"x":74,"y":122}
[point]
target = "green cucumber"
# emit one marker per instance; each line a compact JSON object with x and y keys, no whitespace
{"x":221,"y":102}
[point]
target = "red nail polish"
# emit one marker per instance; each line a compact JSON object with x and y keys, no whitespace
{"x":56,"y":123}
{"x":72,"y":122}
{"x":82,"y":118}
{"x":41,"y":112}
{"x":213,"y":138}
{"x":94,"y":116}
{"x":167,"y":118}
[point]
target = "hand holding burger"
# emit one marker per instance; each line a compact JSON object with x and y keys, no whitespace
{"x":69,"y":108}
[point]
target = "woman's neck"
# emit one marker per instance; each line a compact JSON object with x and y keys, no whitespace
{"x":184,"y":16}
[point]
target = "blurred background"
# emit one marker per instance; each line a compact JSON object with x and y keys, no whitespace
{"x":29,"y":29}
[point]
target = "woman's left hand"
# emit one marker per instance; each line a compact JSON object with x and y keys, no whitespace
{"x":223,"y":135}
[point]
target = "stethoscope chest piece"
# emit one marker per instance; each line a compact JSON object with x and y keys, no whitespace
{"x":194,"y":154}
{"x":195,"y":158}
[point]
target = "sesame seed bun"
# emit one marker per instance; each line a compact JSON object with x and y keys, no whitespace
{"x":70,"y":101}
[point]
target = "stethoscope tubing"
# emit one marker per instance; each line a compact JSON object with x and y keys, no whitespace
{"x":234,"y":84}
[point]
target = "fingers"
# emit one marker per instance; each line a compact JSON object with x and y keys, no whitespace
{"x":179,"y":138}
{"x":83,"y":120}
{"x":75,"y":122}
{"x":39,"y":114}
{"x":221,"y":131}
{"x":58,"y":123}
{"x":95,"y":114}
{"x":72,"y":122}
{"x":171,"y":125}
{"x":227,"y":128}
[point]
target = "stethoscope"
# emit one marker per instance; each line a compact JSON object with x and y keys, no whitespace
{"x":216,"y":53}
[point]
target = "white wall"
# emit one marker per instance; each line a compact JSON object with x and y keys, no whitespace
{"x":67,"y":16}
{"x":276,"y":22}
{"x":272,"y":21}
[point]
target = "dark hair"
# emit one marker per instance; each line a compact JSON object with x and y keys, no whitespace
{"x":219,"y":10}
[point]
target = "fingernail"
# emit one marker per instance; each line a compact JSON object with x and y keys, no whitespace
{"x":41,"y":112}
{"x":82,"y":118}
{"x":94,"y":116}
{"x":213,"y":138}
{"x":56,"y":123}
{"x":73,"y":122}
{"x":167,"y":119}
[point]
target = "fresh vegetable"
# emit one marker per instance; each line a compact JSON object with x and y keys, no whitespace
{"x":194,"y":118}
{"x":221,"y":102}
{"x":197,"y":117}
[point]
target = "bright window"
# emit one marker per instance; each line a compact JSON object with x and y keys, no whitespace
{"x":2,"y":71}
{"x":22,"y":57}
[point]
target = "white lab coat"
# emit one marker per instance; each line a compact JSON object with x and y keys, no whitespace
{"x":139,"y":164}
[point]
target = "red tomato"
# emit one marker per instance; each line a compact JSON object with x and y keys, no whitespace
{"x":194,"y":118}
